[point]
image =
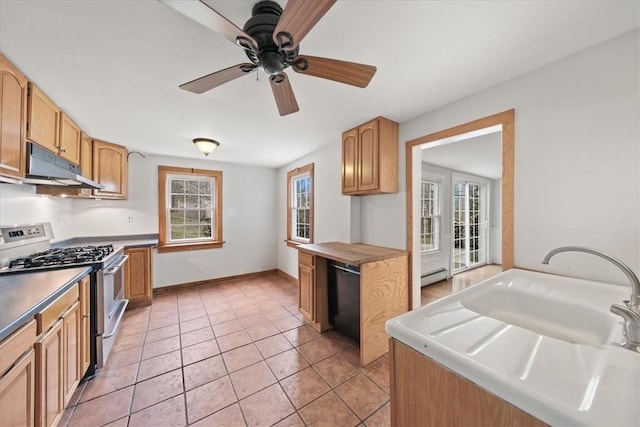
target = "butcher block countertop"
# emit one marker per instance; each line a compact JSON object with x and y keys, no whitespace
{"x":351,"y":253}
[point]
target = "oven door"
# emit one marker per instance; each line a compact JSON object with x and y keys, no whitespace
{"x":111,"y":307}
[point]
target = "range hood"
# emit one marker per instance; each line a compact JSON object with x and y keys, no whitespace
{"x":45,"y":168}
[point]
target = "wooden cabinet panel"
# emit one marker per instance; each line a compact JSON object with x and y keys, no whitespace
{"x":368,"y":161}
{"x":13,"y":120}
{"x":86,"y":155}
{"x":17,"y":393}
{"x":424,"y":392}
{"x":43,"y":120}
{"x":71,"y":349}
{"x":110,"y":169}
{"x":307,"y":291}
{"x":138,"y":288}
{"x":85,"y":324}
{"x":349,"y":161}
{"x":69,"y":140}
{"x":49,"y":371}
{"x":370,"y":158}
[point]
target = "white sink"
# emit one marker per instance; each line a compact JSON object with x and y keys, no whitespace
{"x":568,"y":319}
{"x":547,"y":344}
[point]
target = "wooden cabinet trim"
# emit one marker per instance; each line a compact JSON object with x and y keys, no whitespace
{"x":16,"y":344}
{"x":53,"y":311}
{"x":13,"y":119}
{"x":49,"y":373}
{"x":17,"y":393}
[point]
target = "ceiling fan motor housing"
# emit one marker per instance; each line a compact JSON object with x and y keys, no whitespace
{"x":265,"y":17}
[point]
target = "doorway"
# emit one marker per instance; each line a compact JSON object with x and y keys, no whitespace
{"x":472,"y":229}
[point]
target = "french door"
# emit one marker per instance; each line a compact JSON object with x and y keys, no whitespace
{"x":469,"y":248}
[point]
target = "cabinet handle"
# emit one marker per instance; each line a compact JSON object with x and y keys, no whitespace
{"x":62,"y":150}
{"x":85,"y":316}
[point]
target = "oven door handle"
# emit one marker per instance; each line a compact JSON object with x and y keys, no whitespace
{"x":123,"y":306}
{"x":115,"y":268}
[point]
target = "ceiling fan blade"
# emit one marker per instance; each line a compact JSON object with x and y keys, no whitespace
{"x":282,"y":92}
{"x":298,"y":18}
{"x":350,"y":73}
{"x":207,"y":16}
{"x":218,"y":78}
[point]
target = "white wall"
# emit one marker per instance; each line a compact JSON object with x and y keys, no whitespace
{"x":577,"y":157}
{"x":333,"y":213}
{"x":249,"y":218}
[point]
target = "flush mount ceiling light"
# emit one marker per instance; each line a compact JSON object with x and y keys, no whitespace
{"x":206,"y":145}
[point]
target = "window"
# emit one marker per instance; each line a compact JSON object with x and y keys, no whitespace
{"x":190,"y":209}
{"x":300,"y":205}
{"x":430,"y":216}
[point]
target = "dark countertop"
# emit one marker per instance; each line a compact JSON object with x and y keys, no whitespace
{"x":351,"y":253}
{"x":22,"y":295}
{"x":130,"y":241}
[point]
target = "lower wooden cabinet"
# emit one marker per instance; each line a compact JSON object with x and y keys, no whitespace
{"x":71,"y":349}
{"x":424,"y":392}
{"x":306,"y":282}
{"x":50,"y":373}
{"x":85,"y":326}
{"x":138,"y":286}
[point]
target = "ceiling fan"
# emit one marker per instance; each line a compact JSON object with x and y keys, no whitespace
{"x":271,"y":40}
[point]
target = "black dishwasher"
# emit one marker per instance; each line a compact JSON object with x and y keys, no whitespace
{"x":343,"y":282}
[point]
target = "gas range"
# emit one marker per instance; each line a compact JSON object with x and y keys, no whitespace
{"x":67,"y":257}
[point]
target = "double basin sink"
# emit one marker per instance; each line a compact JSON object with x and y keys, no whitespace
{"x":545,"y":343}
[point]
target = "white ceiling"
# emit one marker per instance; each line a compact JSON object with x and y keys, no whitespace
{"x":115,"y":66}
{"x":478,"y":155}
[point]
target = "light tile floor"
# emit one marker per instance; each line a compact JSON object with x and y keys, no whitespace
{"x":231,"y":354}
{"x":458,"y":282}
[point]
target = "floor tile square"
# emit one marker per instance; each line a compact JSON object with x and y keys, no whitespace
{"x":253,"y":378}
{"x":209,"y":398}
{"x":192,"y":325}
{"x":246,"y":310}
{"x":259,"y":332}
{"x":230,"y":416}
{"x":266,"y":407}
{"x":380,"y":418}
{"x":273,"y":345}
{"x":292,"y":420}
{"x":301,"y":335}
{"x":124,"y":357}
{"x":378,"y":372}
{"x":234,"y":340}
{"x":241,"y":357}
{"x":159,"y":347}
{"x":162,"y":333}
{"x":160,"y":322}
{"x":203,"y":372}
{"x":226,"y":328}
{"x":287,"y":363}
{"x":124,"y":342}
{"x":328,"y":410}
{"x":109,"y":380}
{"x":254,"y":320}
{"x":199,"y":351}
{"x":287,"y":323}
{"x":336,"y":369}
{"x":221,"y":317}
{"x":157,"y":389}
{"x":362,"y":395}
{"x":159,"y":365}
{"x":169,"y":413}
{"x":317,"y":350}
{"x":197,"y":336}
{"x":304,"y":387}
{"x":103,"y":410}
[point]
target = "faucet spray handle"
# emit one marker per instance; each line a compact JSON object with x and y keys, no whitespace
{"x":631,"y":328}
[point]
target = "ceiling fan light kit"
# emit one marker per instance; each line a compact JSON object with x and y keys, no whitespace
{"x":206,"y":145}
{"x":271,"y":40}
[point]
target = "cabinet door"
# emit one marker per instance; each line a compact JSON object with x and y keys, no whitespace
{"x":110,"y":169}
{"x":350,"y":161}
{"x":71,"y":321}
{"x":86,"y":155}
{"x":13,"y":120}
{"x":44,"y":120}
{"x":368,"y":162}
{"x":137,"y":285}
{"x":306,"y":299}
{"x":69,"y":139}
{"x":17,"y":393}
{"x":85,"y":331}
{"x":49,"y":376}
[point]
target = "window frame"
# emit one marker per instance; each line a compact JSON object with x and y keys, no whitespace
{"x":291,"y":240}
{"x":164,"y":243}
{"x":436,"y":215}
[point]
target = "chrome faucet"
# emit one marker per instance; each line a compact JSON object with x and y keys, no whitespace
{"x":630,"y":312}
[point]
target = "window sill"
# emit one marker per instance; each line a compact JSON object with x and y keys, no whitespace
{"x":179,"y":247}
{"x":295,"y":243}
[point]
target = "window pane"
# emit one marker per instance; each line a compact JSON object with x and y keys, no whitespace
{"x":191,"y":216}
{"x":191,"y":187}
{"x":177,"y":186}
{"x":205,"y":217}
{"x":205,"y":231}
{"x":177,"y":232}
{"x":177,"y":201}
{"x":191,"y":201}
{"x":176,"y":216}
{"x":191,"y":231}
{"x":205,"y":201}
{"x":205,"y":187}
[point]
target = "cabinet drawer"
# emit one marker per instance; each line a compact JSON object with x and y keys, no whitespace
{"x":16,"y":344}
{"x":53,"y":311}
{"x":306,"y":259}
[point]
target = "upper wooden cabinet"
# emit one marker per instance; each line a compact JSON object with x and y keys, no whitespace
{"x":110,"y":168}
{"x":43,"y":123}
{"x":370,"y":158}
{"x":69,"y":141}
{"x":13,"y":120}
{"x":138,"y":287}
{"x":86,"y":155}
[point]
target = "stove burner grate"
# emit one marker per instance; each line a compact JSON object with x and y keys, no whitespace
{"x":62,"y":256}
